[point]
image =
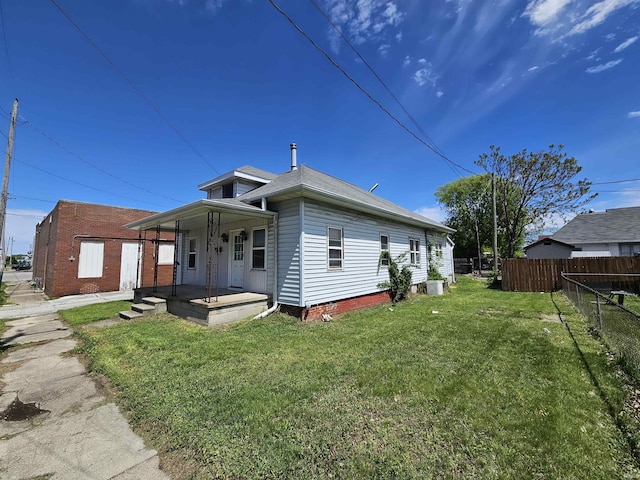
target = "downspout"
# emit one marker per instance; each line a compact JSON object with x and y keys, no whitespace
{"x":275,"y":305}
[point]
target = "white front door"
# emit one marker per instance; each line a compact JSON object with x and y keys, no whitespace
{"x":129,"y":266}
{"x":237,"y":259}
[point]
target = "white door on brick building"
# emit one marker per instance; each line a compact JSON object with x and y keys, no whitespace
{"x":129,"y":264}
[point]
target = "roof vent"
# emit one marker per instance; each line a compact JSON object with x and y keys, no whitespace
{"x":294,"y":158}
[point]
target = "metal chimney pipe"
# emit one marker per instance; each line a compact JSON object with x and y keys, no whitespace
{"x":294,"y":159}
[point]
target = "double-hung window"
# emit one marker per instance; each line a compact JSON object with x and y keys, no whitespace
{"x":335,"y":247}
{"x":414,"y":251}
{"x":384,"y":247}
{"x":191,"y":262}
{"x":259,"y":247}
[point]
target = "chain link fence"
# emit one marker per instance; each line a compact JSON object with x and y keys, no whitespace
{"x":612,"y":306}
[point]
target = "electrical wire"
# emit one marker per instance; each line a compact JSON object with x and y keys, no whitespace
{"x":4,"y":37}
{"x":364,"y":91}
{"x":338,"y":30}
{"x":97,"y":167}
{"x":616,"y":181}
{"x":134,"y":87}
{"x":31,"y":198}
{"x":82,"y":184}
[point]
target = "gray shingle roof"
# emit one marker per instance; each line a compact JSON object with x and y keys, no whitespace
{"x":335,"y":191}
{"x":615,"y":225}
{"x":256,"y":172}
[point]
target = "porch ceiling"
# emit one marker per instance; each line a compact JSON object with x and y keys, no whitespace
{"x":194,"y":215}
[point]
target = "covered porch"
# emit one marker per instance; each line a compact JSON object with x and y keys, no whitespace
{"x":223,"y":260}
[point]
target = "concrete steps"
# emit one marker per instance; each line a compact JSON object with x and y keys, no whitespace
{"x":149,"y":306}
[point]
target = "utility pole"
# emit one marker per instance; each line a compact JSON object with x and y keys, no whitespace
{"x":5,"y":181}
{"x":495,"y":227}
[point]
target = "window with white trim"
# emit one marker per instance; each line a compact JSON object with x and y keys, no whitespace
{"x":259,"y":248}
{"x":384,"y":247}
{"x":91,"y":259}
{"x":414,"y":251}
{"x":335,"y":248}
{"x":191,"y":261}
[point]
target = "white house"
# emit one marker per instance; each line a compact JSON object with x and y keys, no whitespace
{"x":612,"y":233}
{"x":309,"y":241}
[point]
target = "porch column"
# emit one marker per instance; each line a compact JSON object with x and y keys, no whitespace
{"x":139,"y":262}
{"x":212,"y":254}
{"x":176,"y":257}
{"x":155,"y":259}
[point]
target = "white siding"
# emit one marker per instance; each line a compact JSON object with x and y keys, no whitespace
{"x":244,"y":186}
{"x":254,"y":280}
{"x":444,"y":263}
{"x":288,"y":252}
{"x":360,"y":274}
{"x":91,"y":259}
{"x":214,"y":193}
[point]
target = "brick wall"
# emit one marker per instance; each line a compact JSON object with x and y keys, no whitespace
{"x":336,"y":308}
{"x":57,"y":248}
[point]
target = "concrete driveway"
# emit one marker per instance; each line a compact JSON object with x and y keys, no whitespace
{"x":55,"y":421}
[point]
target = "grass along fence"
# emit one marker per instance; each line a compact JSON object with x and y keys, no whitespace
{"x":618,"y":325}
{"x":545,"y":275}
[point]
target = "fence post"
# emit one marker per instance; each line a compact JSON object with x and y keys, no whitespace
{"x":599,"y":313}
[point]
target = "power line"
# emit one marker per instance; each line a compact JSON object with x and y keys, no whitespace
{"x":134,"y":87}
{"x":81,"y":184}
{"x":4,"y":37}
{"x":616,"y":181}
{"x":375,"y":74}
{"x":97,"y":167}
{"x":359,"y":87}
{"x":34,"y":199}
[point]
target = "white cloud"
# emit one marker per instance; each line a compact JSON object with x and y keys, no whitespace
{"x":384,"y":49}
{"x":604,"y":66}
{"x":598,"y":13}
{"x":532,"y":69}
{"x":635,"y":114}
{"x":399,"y":37}
{"x":363,"y":20}
{"x":422,"y":61}
{"x":628,"y":42}
{"x":424,"y":76}
{"x":407,"y":61}
{"x":543,"y":12}
{"x":434,"y":213}
{"x":439,"y":93}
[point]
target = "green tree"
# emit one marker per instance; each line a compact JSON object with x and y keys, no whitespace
{"x":531,"y":187}
{"x":467,"y":202}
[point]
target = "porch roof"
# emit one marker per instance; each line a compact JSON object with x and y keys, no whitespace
{"x":194,"y":214}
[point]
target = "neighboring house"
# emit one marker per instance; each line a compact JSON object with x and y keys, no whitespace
{"x":549,"y":248}
{"x":310,"y":241}
{"x":84,"y":248}
{"x":612,"y":233}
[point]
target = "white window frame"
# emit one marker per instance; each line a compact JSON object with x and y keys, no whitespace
{"x":384,"y":262}
{"x":259,"y":248}
{"x":331,"y":248}
{"x":91,"y":250}
{"x":193,"y":252}
{"x":166,"y":253}
{"x":414,"y":251}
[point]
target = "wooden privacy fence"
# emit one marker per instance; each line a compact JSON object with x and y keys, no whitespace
{"x":543,"y":275}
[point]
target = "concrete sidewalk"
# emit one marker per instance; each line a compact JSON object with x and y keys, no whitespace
{"x":55,"y":421}
{"x":44,"y":306}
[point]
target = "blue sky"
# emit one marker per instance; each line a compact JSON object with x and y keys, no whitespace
{"x":240,"y":83}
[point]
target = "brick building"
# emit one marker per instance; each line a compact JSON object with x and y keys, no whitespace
{"x":84,"y":248}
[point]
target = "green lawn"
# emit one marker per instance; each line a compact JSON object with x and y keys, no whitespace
{"x":93,"y":313}
{"x":477,"y":390}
